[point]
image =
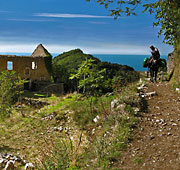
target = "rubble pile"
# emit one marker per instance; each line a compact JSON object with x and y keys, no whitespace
{"x":11,"y":162}
{"x":34,"y":102}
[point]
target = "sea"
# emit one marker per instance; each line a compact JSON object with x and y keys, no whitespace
{"x":134,"y":61}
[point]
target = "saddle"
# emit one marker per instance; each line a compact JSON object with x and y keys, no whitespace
{"x":154,"y":63}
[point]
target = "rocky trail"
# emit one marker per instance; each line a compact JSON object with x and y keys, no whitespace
{"x":156,"y":144}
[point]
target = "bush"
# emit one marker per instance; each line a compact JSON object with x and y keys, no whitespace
{"x":10,"y":85}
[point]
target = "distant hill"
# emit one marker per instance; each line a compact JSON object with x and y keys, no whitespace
{"x":67,"y":63}
{"x":73,"y":58}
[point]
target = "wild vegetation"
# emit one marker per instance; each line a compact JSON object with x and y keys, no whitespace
{"x":176,"y":72}
{"x":69,"y":132}
{"x":58,"y":132}
{"x":10,"y":91}
{"x":68,"y":63}
{"x":48,"y":61}
{"x":167,"y":18}
{"x":65,"y":134}
{"x":166,"y":14}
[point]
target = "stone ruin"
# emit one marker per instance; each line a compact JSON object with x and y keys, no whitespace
{"x":32,"y":68}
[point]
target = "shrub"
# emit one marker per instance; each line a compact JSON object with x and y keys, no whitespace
{"x":10,"y":89}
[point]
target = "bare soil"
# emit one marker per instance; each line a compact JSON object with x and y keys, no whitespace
{"x":156,"y":145}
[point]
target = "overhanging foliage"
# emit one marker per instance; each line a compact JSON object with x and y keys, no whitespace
{"x":167,"y":14}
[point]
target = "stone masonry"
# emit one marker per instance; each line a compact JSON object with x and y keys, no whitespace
{"x":31,"y":68}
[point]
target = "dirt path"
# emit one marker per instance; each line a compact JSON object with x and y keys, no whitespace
{"x":157,"y":140}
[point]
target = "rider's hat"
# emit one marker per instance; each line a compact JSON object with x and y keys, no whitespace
{"x":151,"y":47}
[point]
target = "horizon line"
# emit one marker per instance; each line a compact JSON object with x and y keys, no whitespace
{"x":4,"y":53}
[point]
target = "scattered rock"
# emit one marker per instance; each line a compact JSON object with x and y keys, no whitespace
{"x":34,"y":102}
{"x":93,"y":131}
{"x":58,"y":128}
{"x":164,"y":124}
{"x":2,"y":162}
{"x":121,"y":108}
{"x":10,"y":165}
{"x":136,"y":109}
{"x":96,"y":119}
{"x":158,"y":132}
{"x":151,"y":94}
{"x":140,"y":81}
{"x":178,"y":90}
{"x":29,"y":166}
{"x":143,"y":86}
{"x":8,"y":162}
{"x":157,"y":121}
{"x":49,"y":117}
{"x":66,"y":129}
{"x":109,"y":94}
{"x":114,"y":103}
{"x":152,"y":137}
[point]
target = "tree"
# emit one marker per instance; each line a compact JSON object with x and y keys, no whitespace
{"x":89,"y":77}
{"x":167,"y":14}
{"x":90,"y":80}
{"x":10,"y":89}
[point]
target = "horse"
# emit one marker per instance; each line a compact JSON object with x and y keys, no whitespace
{"x":154,"y":66}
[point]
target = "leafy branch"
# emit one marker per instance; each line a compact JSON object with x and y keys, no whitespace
{"x":167,"y":14}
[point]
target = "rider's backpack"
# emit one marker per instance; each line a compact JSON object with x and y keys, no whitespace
{"x":145,"y":62}
{"x":163,"y":63}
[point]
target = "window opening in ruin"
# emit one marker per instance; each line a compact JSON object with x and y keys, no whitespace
{"x":27,"y":71}
{"x":34,"y":65}
{"x":42,"y":78}
{"x":10,"y":65}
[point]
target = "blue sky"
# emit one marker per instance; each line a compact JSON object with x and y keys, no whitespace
{"x":62,"y":25}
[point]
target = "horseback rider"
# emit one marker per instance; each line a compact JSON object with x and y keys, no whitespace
{"x":154,"y":62}
{"x":155,"y":53}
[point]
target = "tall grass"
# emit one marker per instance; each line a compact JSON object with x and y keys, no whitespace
{"x":108,"y":137}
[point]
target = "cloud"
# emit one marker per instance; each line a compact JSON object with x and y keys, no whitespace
{"x":112,"y":48}
{"x":60,"y":48}
{"x":31,"y":20}
{"x":6,"y":47}
{"x":4,"y":11}
{"x":16,"y":48}
{"x":99,"y":23}
{"x":56,"y":15}
{"x":95,"y":48}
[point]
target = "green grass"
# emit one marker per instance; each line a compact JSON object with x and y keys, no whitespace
{"x":113,"y":132}
{"x":34,"y":137}
{"x":34,"y":95}
{"x":138,"y":160}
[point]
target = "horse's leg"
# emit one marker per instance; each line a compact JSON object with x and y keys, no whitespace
{"x":155,"y":74}
{"x":147,"y":73}
{"x":151,"y":74}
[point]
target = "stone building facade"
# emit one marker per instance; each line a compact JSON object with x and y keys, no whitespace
{"x":32,"y":68}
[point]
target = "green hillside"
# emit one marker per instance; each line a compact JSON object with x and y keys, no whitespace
{"x":73,"y":58}
{"x":67,"y":63}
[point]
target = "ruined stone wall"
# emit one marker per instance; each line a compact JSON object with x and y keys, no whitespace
{"x":23,"y":66}
{"x":57,"y":88}
{"x":170,"y":63}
